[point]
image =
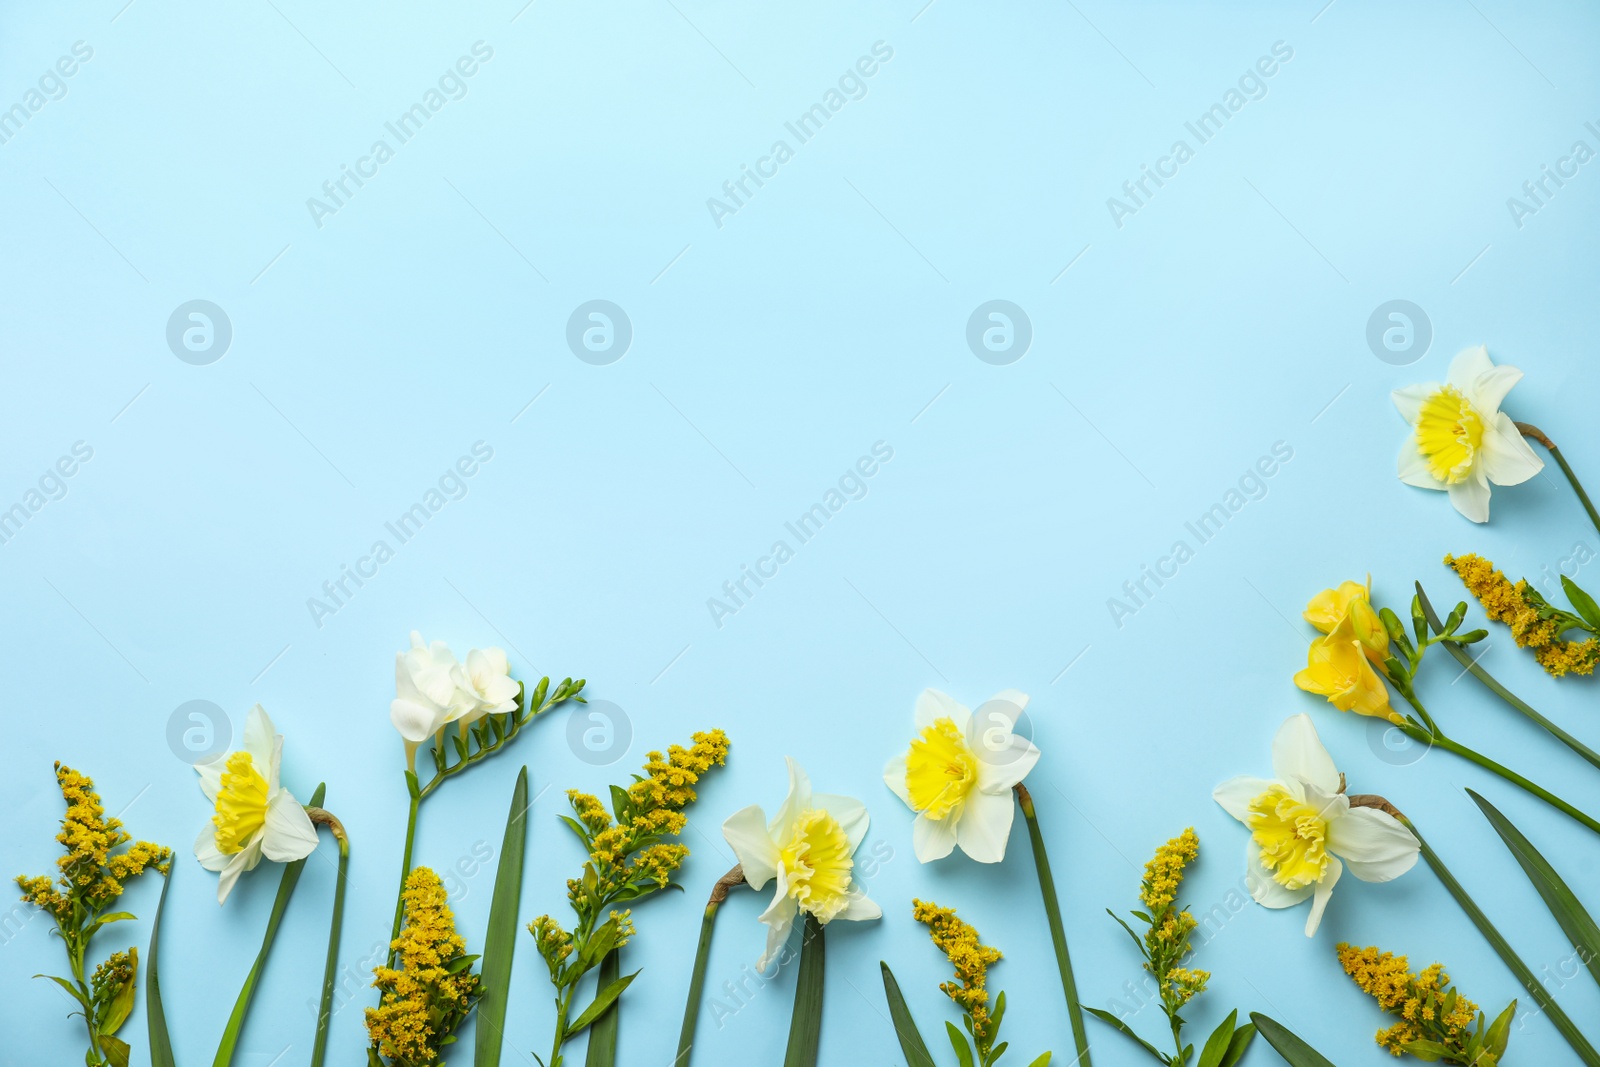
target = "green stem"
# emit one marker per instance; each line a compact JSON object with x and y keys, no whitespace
{"x":1530,"y":430}
{"x":702,"y":957}
{"x":1489,"y":682}
{"x":241,"y":1006}
{"x":805,"y":1026}
{"x":1058,"y":934}
{"x":1502,"y":947}
{"x":405,"y":863}
{"x":325,"y":1011}
{"x":76,"y":951}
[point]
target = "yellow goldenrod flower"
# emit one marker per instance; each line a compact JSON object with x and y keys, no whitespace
{"x":809,"y":848}
{"x":1461,"y":441}
{"x":1428,"y":1008}
{"x":971,"y":960}
{"x":1302,"y":824}
{"x":959,"y":772}
{"x":427,"y":996}
{"x":1163,"y":873}
{"x":1534,"y":624}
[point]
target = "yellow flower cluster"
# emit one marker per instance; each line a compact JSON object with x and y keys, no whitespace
{"x":554,"y":943}
{"x":970,"y":958}
{"x":1428,"y":1009}
{"x":1514,"y":605}
{"x":424,"y":999}
{"x":89,"y":872}
{"x":1163,"y":873}
{"x":590,"y":811}
{"x":671,"y":778}
{"x":1167,"y":939}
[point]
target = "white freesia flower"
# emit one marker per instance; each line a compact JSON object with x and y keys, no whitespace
{"x":1461,"y":441}
{"x":488,"y":677}
{"x":808,"y":847}
{"x":434,"y":689}
{"x":958,"y":774}
{"x":255,"y":816}
{"x":1302,"y":826}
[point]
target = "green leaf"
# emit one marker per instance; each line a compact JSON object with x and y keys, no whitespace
{"x":500,"y":937}
{"x":114,"y":917}
{"x":602,"y":1001}
{"x":603,"y":1031}
{"x":805,"y":1026}
{"x":1216,"y":1045}
{"x":1582,"y":602}
{"x":1294,"y":1051}
{"x":114,"y":1012}
{"x":578,"y":828}
{"x":1239,"y":1045}
{"x":241,"y":1006}
{"x":1042,"y":1061}
{"x":905,"y":1027}
{"x":958,"y":1042}
{"x":1111,"y":1020}
{"x":1500,"y":1031}
{"x":697,"y":986}
{"x":116,"y":1050}
{"x":1058,"y":932}
{"x":69,"y":987}
{"x":1428,"y":1051}
{"x":155,"y":1015}
{"x":620,"y":802}
{"x":1576,"y":923}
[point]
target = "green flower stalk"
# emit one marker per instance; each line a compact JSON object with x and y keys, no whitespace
{"x":92,"y":876}
{"x":1058,"y":932}
{"x":697,"y":979}
{"x":629,"y":859}
{"x":1533,"y":433}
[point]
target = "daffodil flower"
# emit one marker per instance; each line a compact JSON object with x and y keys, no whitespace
{"x":1304,"y":831}
{"x":1461,"y":441}
{"x":808,"y":848}
{"x":958,"y":775}
{"x":255,"y":816}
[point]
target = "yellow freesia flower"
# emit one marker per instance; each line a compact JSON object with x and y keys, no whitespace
{"x":1352,"y":601}
{"x":1339,"y":667}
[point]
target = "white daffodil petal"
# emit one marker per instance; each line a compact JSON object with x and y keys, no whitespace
{"x":1297,"y":752}
{"x":210,"y":773}
{"x":798,"y":800}
{"x":1264,"y":889}
{"x":860,"y":909}
{"x":1508,"y":459}
{"x":1324,"y":890}
{"x":238,"y":863}
{"x":1413,"y":468}
{"x":933,"y":705}
{"x":289,"y":834}
{"x":1015,"y":697}
{"x":985,"y":826}
{"x":998,"y":772}
{"x":258,"y":735}
{"x":1236,"y":794}
{"x":1373,"y":844}
{"x":206,"y":851}
{"x":932,"y":839}
{"x":1491,"y":387}
{"x":894,"y":776}
{"x":1471,"y":497}
{"x":1409,"y":399}
{"x":848,"y":812}
{"x":779,"y":917}
{"x":746,"y":833}
{"x":1469,"y":365}
{"x":415,"y":722}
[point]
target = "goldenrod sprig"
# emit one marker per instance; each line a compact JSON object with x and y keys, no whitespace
{"x":92,"y":876}
{"x":1165,"y":945}
{"x":1535,"y":623}
{"x":431,"y":991}
{"x":628,"y":859}
{"x":971,"y":959}
{"x":1436,"y":1022}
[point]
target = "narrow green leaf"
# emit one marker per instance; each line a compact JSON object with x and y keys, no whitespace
{"x":1239,"y":1045}
{"x":1042,"y":1061}
{"x":603,"y":1031}
{"x":155,"y":1015}
{"x":1575,"y":921}
{"x":1058,"y":932}
{"x":1216,"y":1045}
{"x":330,"y":966}
{"x":958,"y":1041}
{"x":1582,"y":602}
{"x":697,"y":986}
{"x":805,"y":1027}
{"x":116,"y":1050}
{"x":500,"y":937}
{"x":1294,"y":1051}
{"x":241,"y":1007}
{"x":1122,"y":1027}
{"x":1500,"y":1031}
{"x":115,"y":1012}
{"x":602,"y":1001}
{"x":69,"y":987}
{"x":905,"y":1027}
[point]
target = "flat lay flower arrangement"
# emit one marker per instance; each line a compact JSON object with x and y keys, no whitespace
{"x":957,"y":783}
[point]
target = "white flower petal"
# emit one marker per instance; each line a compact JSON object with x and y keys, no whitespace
{"x":1490,"y":388}
{"x":933,"y":705}
{"x":1297,"y":752}
{"x":848,"y":812}
{"x":860,"y":909}
{"x":1012,"y":696}
{"x":415,"y":722}
{"x":985,"y":826}
{"x":1410,"y":398}
{"x":798,"y":800}
{"x":210,"y":773}
{"x":1004,"y":756}
{"x":1471,"y":497}
{"x":746,"y":832}
{"x":258,"y":738}
{"x":998,"y":775}
{"x":894,"y":776}
{"x":1324,"y":890}
{"x":1236,"y":794}
{"x":1264,"y":889}
{"x":1508,"y":459}
{"x":779,"y":917}
{"x":1373,"y":843}
{"x":289,"y":834}
{"x":932,"y":839}
{"x":206,"y":851}
{"x":1413,"y":467}
{"x":238,"y":863}
{"x":1469,"y":365}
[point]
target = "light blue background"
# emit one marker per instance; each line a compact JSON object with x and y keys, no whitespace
{"x":829,"y":313}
